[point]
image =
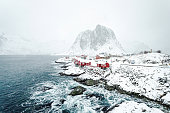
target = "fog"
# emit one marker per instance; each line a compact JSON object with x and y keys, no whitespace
{"x":51,"y":26}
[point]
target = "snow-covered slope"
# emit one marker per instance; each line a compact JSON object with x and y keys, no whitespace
{"x":17,"y":45}
{"x":150,"y":58}
{"x":100,"y":40}
{"x":14,"y":45}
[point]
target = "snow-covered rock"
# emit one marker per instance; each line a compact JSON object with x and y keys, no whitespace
{"x":64,"y":60}
{"x":166,"y":98}
{"x":152,"y":82}
{"x":71,"y":70}
{"x":134,"y":107}
{"x":100,"y":40}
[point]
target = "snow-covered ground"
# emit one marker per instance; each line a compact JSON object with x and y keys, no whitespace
{"x":150,"y":58}
{"x":134,"y":107}
{"x":152,"y":82}
{"x":144,"y":77}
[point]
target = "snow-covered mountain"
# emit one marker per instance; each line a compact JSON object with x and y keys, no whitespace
{"x":17,"y":45}
{"x":14,"y":45}
{"x":11,"y":44}
{"x":100,"y":40}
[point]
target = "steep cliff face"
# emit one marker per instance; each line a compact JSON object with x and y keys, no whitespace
{"x":101,"y":39}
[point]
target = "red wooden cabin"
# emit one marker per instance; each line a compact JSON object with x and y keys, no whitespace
{"x":106,"y":65}
{"x":88,"y":64}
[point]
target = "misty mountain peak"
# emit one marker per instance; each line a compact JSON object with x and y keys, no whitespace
{"x":101,"y":39}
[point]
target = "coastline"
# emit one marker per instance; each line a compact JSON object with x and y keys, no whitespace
{"x":107,"y":78}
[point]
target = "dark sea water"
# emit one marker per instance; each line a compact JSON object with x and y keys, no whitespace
{"x":17,"y":75}
{"x":32,"y":84}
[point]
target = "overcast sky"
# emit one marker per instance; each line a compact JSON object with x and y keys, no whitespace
{"x":58,"y":22}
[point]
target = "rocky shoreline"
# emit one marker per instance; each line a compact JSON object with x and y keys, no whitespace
{"x":81,"y":77}
{"x":91,"y":82}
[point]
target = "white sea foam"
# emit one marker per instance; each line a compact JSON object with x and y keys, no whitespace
{"x":77,"y":104}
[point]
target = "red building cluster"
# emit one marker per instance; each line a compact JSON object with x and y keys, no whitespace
{"x":77,"y":62}
{"x":82,"y":64}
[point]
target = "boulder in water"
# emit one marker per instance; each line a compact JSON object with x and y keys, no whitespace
{"x":45,"y":105}
{"x":77,"y":91}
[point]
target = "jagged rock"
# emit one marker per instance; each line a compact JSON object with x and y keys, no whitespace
{"x":64,"y":74}
{"x":65,"y":69}
{"x":143,"y":110}
{"x":65,"y":111}
{"x":99,"y":96}
{"x":64,"y":66}
{"x":162,"y":80}
{"x":88,"y":82}
{"x":44,"y":88}
{"x":78,"y":80}
{"x":113,"y":87}
{"x":91,"y":82}
{"x":112,"y":107}
{"x":110,"y":88}
{"x":62,"y":101}
{"x":105,"y":108}
{"x":46,"y":105}
{"x":77,"y":91}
